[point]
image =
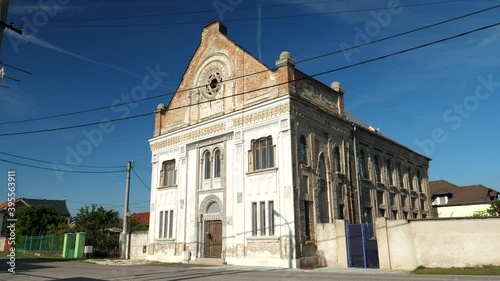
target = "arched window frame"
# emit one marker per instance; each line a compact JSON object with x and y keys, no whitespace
{"x":217,"y":163}
{"x":302,"y":149}
{"x":207,"y":165}
{"x":390,"y":172}
{"x":401,"y":176}
{"x":410,"y":179}
{"x":378,"y":170}
{"x":167,"y":173}
{"x":363,"y":169}
{"x":262,"y":154}
{"x":336,"y":157}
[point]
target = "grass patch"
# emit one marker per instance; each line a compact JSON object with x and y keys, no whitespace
{"x":478,"y":270}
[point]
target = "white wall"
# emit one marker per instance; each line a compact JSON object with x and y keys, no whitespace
{"x":445,"y":211}
{"x":438,"y":243}
{"x":138,"y":240}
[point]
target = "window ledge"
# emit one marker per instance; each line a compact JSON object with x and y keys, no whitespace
{"x":167,"y":186}
{"x":263,"y":171}
{"x":340,"y":174}
{"x":264,"y":238}
{"x":366,"y":180}
{"x":167,"y":240}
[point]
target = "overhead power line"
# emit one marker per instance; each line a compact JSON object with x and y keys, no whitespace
{"x":16,"y":68}
{"x":249,"y":19}
{"x":68,"y":165}
{"x":272,"y":86}
{"x":258,"y":72}
{"x":62,"y":170}
{"x":133,"y":170}
{"x":195,"y":12}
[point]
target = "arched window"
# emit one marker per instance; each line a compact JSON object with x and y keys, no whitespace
{"x":213,"y":208}
{"x":419,"y":181}
{"x":390,"y":172}
{"x":362,"y":165}
{"x":167,"y":174}
{"x":400,"y":174}
{"x":378,"y":174}
{"x":263,"y":153}
{"x":323,"y":192}
{"x":410,"y":179}
{"x":336,"y":156}
{"x":206,"y":165}
{"x":217,"y":163}
{"x":302,"y":149}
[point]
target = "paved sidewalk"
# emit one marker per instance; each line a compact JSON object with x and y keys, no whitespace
{"x":247,"y":268}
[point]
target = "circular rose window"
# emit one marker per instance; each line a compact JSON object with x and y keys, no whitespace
{"x":213,"y":83}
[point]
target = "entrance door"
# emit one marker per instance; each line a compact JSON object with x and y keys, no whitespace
{"x":213,"y":239}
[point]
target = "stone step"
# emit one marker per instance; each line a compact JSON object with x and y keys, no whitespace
{"x":208,"y":261}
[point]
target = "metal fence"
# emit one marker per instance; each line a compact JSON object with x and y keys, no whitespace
{"x":362,"y":246}
{"x":46,"y":244}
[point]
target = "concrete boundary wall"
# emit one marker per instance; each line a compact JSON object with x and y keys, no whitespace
{"x":332,"y":244}
{"x":138,"y":245}
{"x":445,"y":243}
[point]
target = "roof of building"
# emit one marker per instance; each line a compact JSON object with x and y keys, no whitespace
{"x":470,"y":194}
{"x":59,"y":205}
{"x":142,"y":217}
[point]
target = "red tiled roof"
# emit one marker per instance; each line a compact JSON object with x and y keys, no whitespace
{"x":142,"y":217}
{"x":462,"y":194}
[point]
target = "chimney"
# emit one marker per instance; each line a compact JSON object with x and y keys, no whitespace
{"x":214,"y":27}
{"x":336,"y":87}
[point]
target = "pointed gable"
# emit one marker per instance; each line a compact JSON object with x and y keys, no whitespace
{"x":221,"y":78}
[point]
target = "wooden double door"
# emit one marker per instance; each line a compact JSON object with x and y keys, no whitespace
{"x":213,"y":239}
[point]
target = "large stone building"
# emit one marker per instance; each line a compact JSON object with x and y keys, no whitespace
{"x":248,"y":163}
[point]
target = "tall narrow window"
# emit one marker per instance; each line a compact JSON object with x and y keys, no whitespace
{"x":263,"y":153}
{"x":336,"y":156}
{"x":217,"y":164}
{"x":165,"y":224}
{"x":271,"y":217}
{"x":323,"y":192}
{"x":340,"y":200}
{"x":302,"y":149}
{"x":171,"y":224}
{"x":378,"y":174}
{"x":160,"y":233}
{"x":419,"y":181}
{"x":167,"y":177}
{"x":262,"y":218}
{"x":362,"y":165}
{"x":390,"y":172}
{"x":410,"y":179}
{"x":307,"y":221}
{"x":400,"y":176}
{"x":254,"y":219}
{"x":206,"y":165}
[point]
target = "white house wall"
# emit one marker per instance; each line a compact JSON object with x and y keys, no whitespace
{"x":236,"y":189}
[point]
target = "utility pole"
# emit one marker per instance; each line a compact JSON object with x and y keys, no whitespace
{"x":124,"y":245}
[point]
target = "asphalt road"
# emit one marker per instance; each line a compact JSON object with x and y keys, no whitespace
{"x":27,"y":270}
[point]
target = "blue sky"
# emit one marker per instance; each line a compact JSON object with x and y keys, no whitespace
{"x":414,"y":97}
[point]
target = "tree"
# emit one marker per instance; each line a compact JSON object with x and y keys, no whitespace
{"x":494,"y":209}
{"x":39,"y":220}
{"x":98,"y":224}
{"x":136,"y":224}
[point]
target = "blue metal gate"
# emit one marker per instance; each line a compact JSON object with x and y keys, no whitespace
{"x":362,"y":246}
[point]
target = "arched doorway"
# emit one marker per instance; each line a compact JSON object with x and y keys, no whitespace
{"x":213,"y":232}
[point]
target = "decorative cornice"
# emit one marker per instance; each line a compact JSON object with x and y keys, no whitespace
{"x":213,"y":129}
